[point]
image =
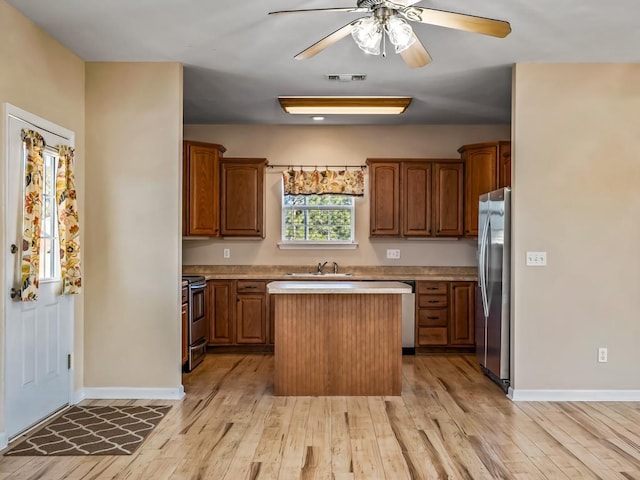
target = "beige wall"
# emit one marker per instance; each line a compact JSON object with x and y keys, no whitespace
{"x":576,"y":175}
{"x":134,"y":143}
{"x":335,"y":145}
{"x":39,"y":75}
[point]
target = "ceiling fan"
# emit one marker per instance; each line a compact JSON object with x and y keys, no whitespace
{"x":390,"y":18}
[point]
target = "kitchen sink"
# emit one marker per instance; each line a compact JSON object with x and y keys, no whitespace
{"x":319,"y":275}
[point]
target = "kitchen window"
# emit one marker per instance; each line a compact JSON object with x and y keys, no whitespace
{"x":318,"y":220}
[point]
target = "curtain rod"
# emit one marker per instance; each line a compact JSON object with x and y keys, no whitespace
{"x":315,"y":167}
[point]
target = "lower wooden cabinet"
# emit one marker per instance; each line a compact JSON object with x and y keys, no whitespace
{"x":445,"y":315}
{"x":220,"y":295}
{"x":251,"y":312}
{"x":238,"y":312}
{"x":462,"y":320}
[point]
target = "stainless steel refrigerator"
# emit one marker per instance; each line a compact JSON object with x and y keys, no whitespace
{"x":492,"y":316}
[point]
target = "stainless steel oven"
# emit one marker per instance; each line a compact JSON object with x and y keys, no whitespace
{"x":197,"y":323}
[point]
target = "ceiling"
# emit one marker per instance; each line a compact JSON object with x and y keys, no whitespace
{"x":238,"y":60}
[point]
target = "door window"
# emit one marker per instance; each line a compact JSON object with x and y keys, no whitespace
{"x":49,"y":250}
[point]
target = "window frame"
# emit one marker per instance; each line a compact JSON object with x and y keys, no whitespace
{"x":317,"y":244}
{"x":53,"y":256}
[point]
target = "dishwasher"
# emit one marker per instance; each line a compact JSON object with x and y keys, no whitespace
{"x":409,"y":319}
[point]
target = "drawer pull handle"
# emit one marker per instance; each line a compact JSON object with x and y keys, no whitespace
{"x":433,"y":318}
{"x":434,"y":301}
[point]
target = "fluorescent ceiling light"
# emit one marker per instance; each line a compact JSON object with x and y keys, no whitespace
{"x":344,"y":105}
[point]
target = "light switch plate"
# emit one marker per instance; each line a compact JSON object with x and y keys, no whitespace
{"x":226,"y":253}
{"x":536,"y":259}
{"x":393,"y":253}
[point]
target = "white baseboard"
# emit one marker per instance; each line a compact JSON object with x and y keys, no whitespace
{"x":521,"y":395}
{"x":78,"y":396}
{"x":3,"y":440}
{"x":109,"y":393}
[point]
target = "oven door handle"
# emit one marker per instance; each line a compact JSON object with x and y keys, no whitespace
{"x":197,"y":286}
{"x":198,"y":345}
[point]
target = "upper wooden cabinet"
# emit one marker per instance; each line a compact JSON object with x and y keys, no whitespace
{"x":242,"y":197}
{"x":417,"y":202}
{"x":384,"y":198}
{"x":416,"y":197}
{"x":201,"y":188}
{"x":487,"y":166}
{"x":448,"y":184}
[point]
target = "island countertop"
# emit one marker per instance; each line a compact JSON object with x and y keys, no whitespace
{"x":340,"y":287}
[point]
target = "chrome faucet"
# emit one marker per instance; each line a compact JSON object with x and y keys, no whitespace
{"x":335,"y":268}
{"x":320,"y":267}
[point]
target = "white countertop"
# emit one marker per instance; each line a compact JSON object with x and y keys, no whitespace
{"x":324,"y":286}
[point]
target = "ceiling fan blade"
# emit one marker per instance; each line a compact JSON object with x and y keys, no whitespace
{"x":326,"y":41}
{"x":416,"y":55}
{"x":345,"y":9}
{"x":470,"y":23}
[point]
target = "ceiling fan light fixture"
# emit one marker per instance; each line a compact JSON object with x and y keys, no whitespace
{"x":367,"y":33}
{"x":400,"y":33}
{"x":316,"y":105}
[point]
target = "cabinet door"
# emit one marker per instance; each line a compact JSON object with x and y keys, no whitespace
{"x":461,"y":327}
{"x":416,"y":199}
{"x":481,"y":176}
{"x":220,"y":293}
{"x":203,"y":189}
{"x":242,"y":200}
{"x":185,"y":333}
{"x":384,"y":198}
{"x":251,"y":315}
{"x":505,"y":165}
{"x":448,"y":199}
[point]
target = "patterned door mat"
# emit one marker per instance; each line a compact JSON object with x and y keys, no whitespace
{"x":93,"y":431}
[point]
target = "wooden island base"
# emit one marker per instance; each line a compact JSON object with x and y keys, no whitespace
{"x":338,"y":344}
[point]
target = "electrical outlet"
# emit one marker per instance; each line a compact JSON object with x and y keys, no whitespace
{"x":536,"y":259}
{"x":226,"y":253}
{"x":393,"y":253}
{"x":602,"y":354}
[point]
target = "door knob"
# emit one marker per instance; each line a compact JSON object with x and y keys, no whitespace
{"x":15,"y":293}
{"x":14,"y":248}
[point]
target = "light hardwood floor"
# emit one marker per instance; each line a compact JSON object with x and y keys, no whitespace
{"x":450,"y":422}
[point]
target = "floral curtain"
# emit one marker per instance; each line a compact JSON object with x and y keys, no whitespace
{"x":323,"y":182}
{"x":68,"y":226}
{"x":34,"y":166}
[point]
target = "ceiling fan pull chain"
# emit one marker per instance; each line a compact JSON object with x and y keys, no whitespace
{"x":384,"y":43}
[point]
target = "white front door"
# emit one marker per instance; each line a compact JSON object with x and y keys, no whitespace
{"x":38,"y":335}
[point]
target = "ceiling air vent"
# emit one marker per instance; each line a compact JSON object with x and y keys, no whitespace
{"x":346,"y":77}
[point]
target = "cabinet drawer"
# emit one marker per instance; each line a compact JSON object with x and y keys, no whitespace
{"x":432,"y":336}
{"x":432,"y":288}
{"x":185,"y":294}
{"x":432,"y":301}
{"x":251,"y":286}
{"x":432,"y":317}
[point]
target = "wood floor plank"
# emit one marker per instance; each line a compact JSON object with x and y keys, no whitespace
{"x":365,"y":454}
{"x":450,"y":422}
{"x":317,"y":459}
{"x":341,"y":461}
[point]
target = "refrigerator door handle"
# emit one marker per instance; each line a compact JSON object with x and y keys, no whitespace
{"x":484,"y":267}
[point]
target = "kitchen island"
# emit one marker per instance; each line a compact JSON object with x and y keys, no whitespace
{"x":337,"y":338}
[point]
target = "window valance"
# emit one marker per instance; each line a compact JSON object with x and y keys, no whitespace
{"x":323,"y":182}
